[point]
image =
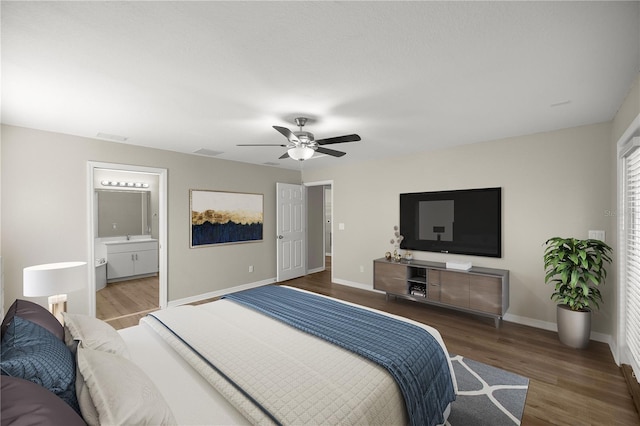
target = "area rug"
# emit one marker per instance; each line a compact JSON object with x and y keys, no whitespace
{"x":486,"y":395}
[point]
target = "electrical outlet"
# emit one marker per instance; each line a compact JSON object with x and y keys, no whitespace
{"x":250,"y":268}
{"x":361,"y":268}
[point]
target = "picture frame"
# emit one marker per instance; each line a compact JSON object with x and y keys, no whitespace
{"x":222,"y":217}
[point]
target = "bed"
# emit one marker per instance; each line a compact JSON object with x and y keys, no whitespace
{"x":227,"y":362}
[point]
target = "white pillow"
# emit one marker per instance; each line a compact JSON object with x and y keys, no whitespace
{"x":121,"y":393}
{"x":94,"y":334}
{"x":88,"y":410}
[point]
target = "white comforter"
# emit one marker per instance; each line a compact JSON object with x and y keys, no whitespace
{"x":298,"y":378}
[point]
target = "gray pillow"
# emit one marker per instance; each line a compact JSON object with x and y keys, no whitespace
{"x":25,"y":403}
{"x":31,"y":352}
{"x":34,"y":313}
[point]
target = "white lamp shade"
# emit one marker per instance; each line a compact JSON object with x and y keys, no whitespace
{"x":54,"y":278}
{"x":300,"y":153}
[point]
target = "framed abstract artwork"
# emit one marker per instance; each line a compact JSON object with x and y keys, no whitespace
{"x":219,"y":217}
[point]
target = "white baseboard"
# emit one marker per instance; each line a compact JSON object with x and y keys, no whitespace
{"x":314,"y":270}
{"x":552,"y":326}
{"x":220,"y":293}
{"x":356,"y":285}
{"x":531,"y":322}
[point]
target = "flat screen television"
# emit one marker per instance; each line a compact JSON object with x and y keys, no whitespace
{"x":462,"y":221}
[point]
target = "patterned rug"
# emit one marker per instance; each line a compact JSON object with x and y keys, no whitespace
{"x":486,"y":395}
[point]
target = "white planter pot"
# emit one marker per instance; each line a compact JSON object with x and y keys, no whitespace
{"x":574,"y":327}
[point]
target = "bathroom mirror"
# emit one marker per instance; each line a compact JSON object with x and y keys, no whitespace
{"x":123,"y":213}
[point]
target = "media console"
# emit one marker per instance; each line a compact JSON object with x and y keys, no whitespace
{"x":482,"y":291}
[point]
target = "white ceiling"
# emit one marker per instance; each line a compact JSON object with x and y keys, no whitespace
{"x":406,"y":76}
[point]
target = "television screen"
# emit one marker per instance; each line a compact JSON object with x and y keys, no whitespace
{"x":463,"y":222}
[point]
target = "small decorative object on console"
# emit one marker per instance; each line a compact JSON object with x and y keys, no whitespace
{"x":396,"y":240}
{"x":387,"y":255}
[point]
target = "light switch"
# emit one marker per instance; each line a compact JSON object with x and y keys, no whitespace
{"x":341,"y":226}
{"x":596,"y":235}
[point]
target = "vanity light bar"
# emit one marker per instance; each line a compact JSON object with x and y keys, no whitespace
{"x":124,"y":184}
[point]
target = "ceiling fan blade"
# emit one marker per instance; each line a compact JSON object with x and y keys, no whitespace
{"x":330,"y":151}
{"x":287,"y":133}
{"x":283,"y":156}
{"x":263,"y":144}
{"x":338,"y":139}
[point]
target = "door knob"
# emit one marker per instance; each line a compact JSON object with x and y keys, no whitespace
{"x":280,"y":237}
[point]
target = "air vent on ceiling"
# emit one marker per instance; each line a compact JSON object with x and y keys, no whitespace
{"x":208,"y":152}
{"x":115,"y":138}
{"x":271,"y":163}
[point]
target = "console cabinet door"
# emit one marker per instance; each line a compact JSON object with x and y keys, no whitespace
{"x":454,"y":288}
{"x":390,"y":277}
{"x":433,"y":285}
{"x":485,"y":294}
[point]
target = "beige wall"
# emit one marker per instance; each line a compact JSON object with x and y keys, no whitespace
{"x":554,"y":184}
{"x":44,"y":210}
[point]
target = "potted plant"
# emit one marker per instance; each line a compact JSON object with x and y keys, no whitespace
{"x":576,"y":268}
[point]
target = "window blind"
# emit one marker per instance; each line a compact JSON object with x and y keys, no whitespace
{"x":631,"y":261}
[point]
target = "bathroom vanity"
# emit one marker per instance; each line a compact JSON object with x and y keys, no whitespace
{"x":128,"y":259}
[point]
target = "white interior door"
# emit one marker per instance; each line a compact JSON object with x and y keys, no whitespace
{"x":291,"y":225}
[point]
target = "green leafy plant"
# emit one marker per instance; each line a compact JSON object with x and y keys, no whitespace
{"x":576,"y":267}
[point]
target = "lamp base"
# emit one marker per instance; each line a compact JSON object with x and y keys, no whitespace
{"x":58,"y":305}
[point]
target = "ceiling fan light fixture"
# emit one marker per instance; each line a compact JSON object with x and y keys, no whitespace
{"x":300,"y":153}
{"x":302,"y":144}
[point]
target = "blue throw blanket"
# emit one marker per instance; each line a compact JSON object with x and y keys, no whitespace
{"x":413,"y":356}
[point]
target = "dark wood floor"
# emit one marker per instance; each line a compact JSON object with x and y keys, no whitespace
{"x":567,"y":386}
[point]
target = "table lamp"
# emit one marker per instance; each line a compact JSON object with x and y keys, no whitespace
{"x":54,"y":280}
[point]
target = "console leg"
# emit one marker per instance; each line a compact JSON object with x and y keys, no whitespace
{"x":498,"y":321}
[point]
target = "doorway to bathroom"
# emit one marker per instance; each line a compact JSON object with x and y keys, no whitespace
{"x":127,"y":231}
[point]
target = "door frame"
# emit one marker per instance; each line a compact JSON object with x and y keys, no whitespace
{"x":162,"y":226}
{"x":333,"y":244}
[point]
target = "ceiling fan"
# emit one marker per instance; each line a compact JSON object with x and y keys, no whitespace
{"x":302,"y":144}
